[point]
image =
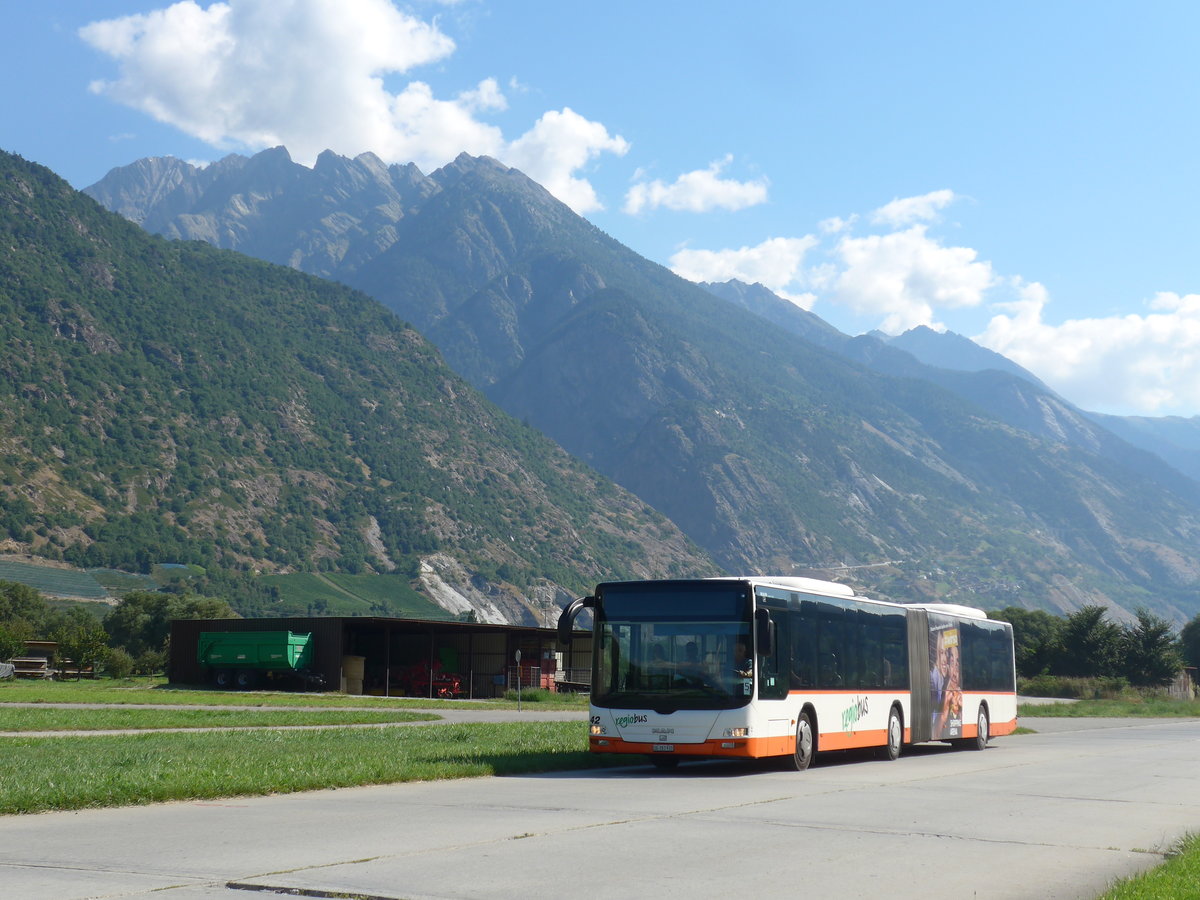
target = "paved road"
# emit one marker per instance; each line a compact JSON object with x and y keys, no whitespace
{"x":1051,"y":815}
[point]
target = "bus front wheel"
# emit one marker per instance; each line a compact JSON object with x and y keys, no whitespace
{"x":806,"y":742}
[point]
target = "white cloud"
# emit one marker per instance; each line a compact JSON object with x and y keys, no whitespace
{"x":901,"y":278}
{"x":308,"y":74}
{"x":777,"y":263}
{"x":485,"y":97}
{"x":907,"y":210}
{"x":836,"y":224}
{"x":1148,"y":364}
{"x":699,"y":191}
{"x":557,"y":146}
{"x":905,"y":276}
{"x":253,"y":71}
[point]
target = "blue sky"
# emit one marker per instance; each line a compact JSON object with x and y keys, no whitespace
{"x":1024,"y":174}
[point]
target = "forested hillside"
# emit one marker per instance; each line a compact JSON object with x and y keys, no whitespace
{"x":170,"y":402}
{"x":770,"y":447}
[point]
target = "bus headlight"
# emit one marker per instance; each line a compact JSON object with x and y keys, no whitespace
{"x":737,"y":732}
{"x":598,"y":729}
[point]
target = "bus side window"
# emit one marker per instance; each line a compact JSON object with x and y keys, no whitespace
{"x":804,"y":646}
{"x":1002,"y":656}
{"x":831,"y":672}
{"x":870,"y":623}
{"x":830,"y":642}
{"x":895,"y":651}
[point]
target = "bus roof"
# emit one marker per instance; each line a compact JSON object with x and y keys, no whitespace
{"x":952,"y":609}
{"x":835,"y":589}
{"x":795,"y":583}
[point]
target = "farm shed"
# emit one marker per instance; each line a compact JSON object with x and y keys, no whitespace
{"x":405,"y":657}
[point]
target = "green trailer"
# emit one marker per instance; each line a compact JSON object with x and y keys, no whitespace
{"x":246,"y":659}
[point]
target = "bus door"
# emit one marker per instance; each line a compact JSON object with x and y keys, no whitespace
{"x":774,"y":647}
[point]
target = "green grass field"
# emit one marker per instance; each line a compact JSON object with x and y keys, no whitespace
{"x":1152,"y":707}
{"x":117,"y":582}
{"x":1176,"y":879}
{"x":157,"y":691}
{"x":126,"y":717}
{"x":71,"y":772}
{"x":354,"y":595}
{"x":53,"y":580}
{"x":51,"y":773}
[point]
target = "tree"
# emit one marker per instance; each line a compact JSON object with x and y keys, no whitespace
{"x":83,"y":642}
{"x":19,"y":603}
{"x":1091,"y":644}
{"x":1150,"y":651}
{"x":1037,"y":636}
{"x":11,"y":644}
{"x":25,"y":615}
{"x":1189,"y":642}
{"x":195,"y":607}
{"x":141,"y":622}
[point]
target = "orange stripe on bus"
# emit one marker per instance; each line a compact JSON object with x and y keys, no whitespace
{"x":852,"y":740}
{"x":781,"y":745}
{"x":747,"y":748}
{"x":754,"y":748}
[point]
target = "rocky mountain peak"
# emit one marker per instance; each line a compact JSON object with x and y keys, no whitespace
{"x":777,"y":442}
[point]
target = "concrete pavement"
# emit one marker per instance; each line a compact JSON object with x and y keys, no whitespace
{"x":1053,"y":815}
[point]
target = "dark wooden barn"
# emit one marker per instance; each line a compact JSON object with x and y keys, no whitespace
{"x":406,"y":657}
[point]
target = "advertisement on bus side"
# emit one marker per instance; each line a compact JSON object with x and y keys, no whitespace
{"x":945,"y":677}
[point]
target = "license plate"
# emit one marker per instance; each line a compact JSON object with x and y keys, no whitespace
{"x":664,"y":748}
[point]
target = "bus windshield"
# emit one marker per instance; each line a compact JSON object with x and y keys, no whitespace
{"x":676,"y":645}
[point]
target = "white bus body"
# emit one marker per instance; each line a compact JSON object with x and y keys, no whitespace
{"x":823,"y":670}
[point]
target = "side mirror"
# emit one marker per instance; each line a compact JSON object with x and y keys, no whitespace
{"x":566,"y":619}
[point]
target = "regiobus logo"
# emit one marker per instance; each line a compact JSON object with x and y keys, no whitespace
{"x":634,"y":719}
{"x":851,"y":714}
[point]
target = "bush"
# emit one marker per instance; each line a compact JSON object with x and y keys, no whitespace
{"x":118,"y":663}
{"x":150,"y":662}
{"x":530,"y":695}
{"x":1067,"y":688}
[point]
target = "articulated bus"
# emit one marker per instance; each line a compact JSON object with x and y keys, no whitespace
{"x":786,"y":667}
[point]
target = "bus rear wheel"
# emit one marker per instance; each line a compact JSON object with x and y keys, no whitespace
{"x":895,"y":736}
{"x":980,"y":741}
{"x":806,"y":743}
{"x":981,"y":730}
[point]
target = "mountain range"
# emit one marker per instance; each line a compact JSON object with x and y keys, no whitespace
{"x":1002,"y":388}
{"x":1173,"y":438}
{"x":166,"y":401}
{"x":776,"y":443}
